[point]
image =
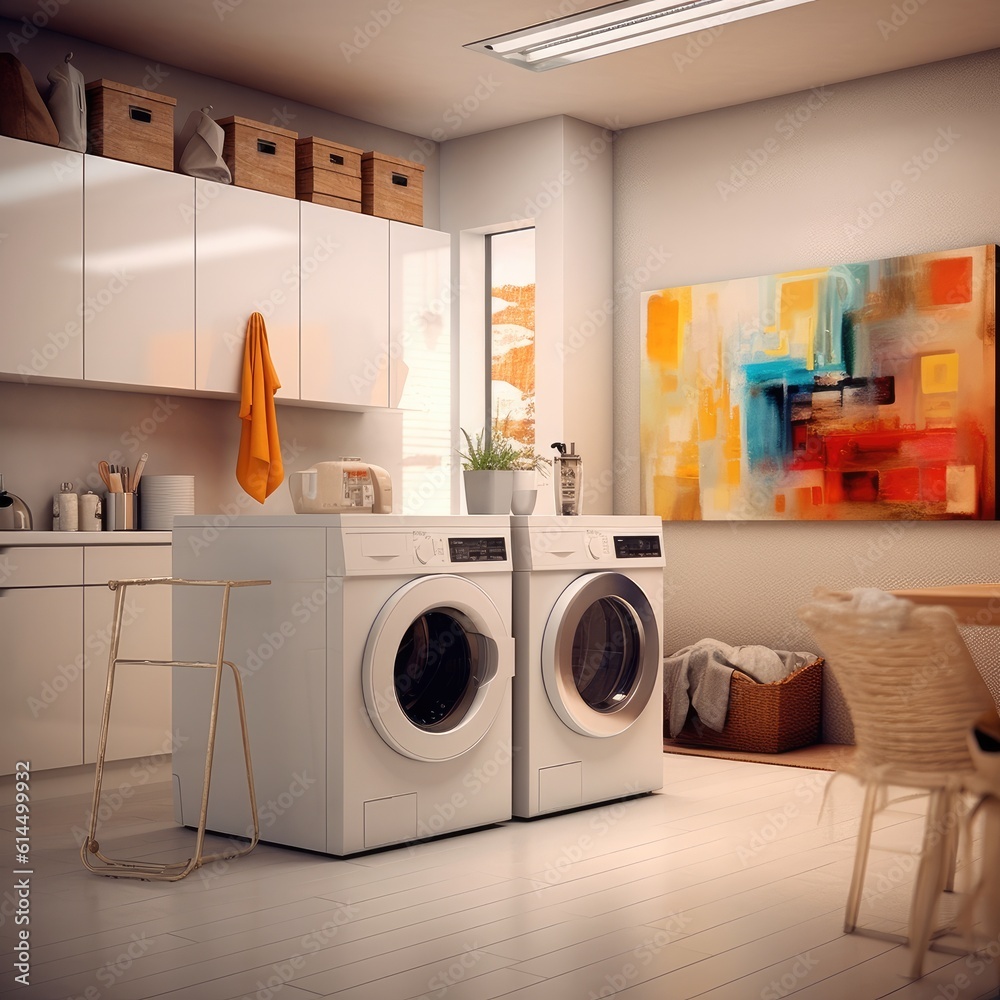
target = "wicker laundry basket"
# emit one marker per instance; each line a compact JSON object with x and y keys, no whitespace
{"x":763,"y":718}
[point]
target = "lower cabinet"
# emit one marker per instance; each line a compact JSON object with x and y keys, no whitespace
{"x":42,"y":677}
{"x":140,"y":710}
{"x":56,"y":642}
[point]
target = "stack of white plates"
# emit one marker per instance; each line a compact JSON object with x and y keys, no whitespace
{"x":162,"y":497}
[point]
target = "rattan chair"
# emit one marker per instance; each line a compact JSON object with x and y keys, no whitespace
{"x":913,"y":691}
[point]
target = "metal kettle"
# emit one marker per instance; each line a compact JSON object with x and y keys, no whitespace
{"x":14,"y":512}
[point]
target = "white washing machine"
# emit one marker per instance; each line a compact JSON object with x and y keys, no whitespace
{"x":376,"y":669}
{"x":588,"y":705}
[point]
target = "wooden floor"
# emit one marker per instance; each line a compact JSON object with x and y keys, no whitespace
{"x":725,"y":886}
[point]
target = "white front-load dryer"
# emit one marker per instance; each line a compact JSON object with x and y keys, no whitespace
{"x":376,"y":669}
{"x":588,"y":705}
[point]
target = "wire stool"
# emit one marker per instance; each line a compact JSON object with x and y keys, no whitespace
{"x":171,"y":871}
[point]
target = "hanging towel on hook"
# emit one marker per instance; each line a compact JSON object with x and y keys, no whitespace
{"x":258,"y":468}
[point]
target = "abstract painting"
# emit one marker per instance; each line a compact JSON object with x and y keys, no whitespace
{"x":854,"y":392}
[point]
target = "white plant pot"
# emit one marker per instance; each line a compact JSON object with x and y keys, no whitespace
{"x":488,"y":491}
{"x":525,"y":492}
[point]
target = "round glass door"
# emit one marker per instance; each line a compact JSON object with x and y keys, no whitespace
{"x":600,"y":654}
{"x":606,"y":654}
{"x":437,"y":667}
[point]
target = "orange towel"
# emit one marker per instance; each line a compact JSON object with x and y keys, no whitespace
{"x":258,"y":468}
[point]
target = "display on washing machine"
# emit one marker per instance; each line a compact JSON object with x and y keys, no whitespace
{"x":637,"y":546}
{"x":478,"y":549}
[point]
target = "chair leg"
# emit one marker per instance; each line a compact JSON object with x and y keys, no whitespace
{"x":861,"y":858}
{"x":953,"y":835}
{"x":932,"y":874}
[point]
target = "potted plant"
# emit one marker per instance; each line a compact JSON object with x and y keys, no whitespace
{"x":488,"y":474}
{"x":491,"y":465}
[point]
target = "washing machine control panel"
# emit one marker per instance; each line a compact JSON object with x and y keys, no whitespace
{"x":428,"y":548}
{"x":597,"y":545}
{"x":438,"y":549}
{"x":485,"y":549}
{"x":637,"y":546}
{"x":608,"y":546}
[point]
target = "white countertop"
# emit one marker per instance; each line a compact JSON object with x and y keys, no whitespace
{"x":9,"y":539}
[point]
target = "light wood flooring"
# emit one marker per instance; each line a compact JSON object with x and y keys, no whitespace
{"x":727,"y":885}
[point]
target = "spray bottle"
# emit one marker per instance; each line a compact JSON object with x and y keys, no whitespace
{"x":567,"y":478}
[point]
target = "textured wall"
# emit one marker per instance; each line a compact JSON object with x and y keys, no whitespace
{"x":867,"y":169}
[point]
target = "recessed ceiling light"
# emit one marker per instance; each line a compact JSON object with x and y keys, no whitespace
{"x":616,"y":27}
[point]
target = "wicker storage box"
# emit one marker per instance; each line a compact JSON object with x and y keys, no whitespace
{"x":392,"y":188}
{"x":259,"y":156}
{"x":126,"y":123}
{"x":764,"y":718}
{"x":328,"y":173}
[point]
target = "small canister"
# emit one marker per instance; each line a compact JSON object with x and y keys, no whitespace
{"x":90,"y":512}
{"x":65,"y":509}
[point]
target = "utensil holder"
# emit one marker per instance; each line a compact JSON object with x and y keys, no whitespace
{"x":120,"y":512}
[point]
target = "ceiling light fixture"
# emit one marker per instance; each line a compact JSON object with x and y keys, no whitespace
{"x":616,"y":27}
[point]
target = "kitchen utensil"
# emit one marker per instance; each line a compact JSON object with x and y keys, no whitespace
{"x":105,"y":470}
{"x":14,"y":512}
{"x":345,"y":486}
{"x":143,"y":458}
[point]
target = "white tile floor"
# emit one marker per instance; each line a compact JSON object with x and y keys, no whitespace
{"x":725,"y":886}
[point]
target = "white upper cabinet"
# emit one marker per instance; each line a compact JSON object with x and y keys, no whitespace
{"x":138,"y":275}
{"x":119,"y":274}
{"x":344,"y":268}
{"x":420,"y":300}
{"x":247,"y":260}
{"x":41,"y":259}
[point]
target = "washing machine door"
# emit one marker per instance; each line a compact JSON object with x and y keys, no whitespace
{"x":600,"y":654}
{"x":437,"y":667}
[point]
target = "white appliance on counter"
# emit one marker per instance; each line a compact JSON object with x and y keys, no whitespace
{"x":344,"y":486}
{"x":376,"y":670}
{"x":588,"y":704}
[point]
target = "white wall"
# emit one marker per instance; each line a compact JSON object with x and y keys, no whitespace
{"x":557,"y":174}
{"x":843,"y":173}
{"x":49,"y":434}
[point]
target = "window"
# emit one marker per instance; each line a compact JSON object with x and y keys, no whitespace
{"x":510,"y":393}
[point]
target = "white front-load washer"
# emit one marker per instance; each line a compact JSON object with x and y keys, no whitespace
{"x":376,"y":670}
{"x":588,"y":705}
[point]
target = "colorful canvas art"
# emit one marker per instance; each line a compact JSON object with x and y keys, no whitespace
{"x":855,"y":392}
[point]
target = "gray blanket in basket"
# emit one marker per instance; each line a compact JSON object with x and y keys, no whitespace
{"x":698,"y":677}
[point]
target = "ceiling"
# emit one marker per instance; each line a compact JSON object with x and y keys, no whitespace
{"x":400,"y":63}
